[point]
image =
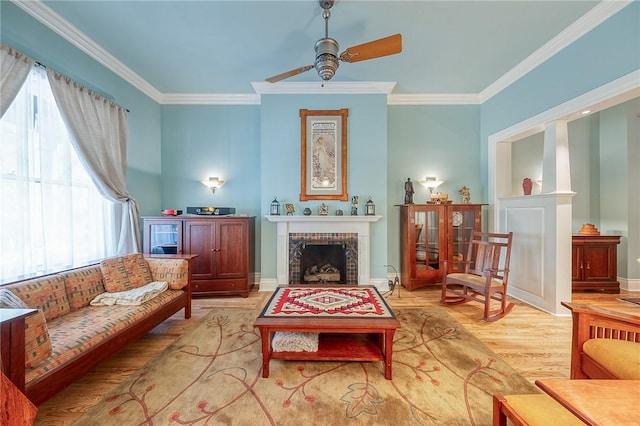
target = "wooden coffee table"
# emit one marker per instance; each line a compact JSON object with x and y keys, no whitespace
{"x":347,"y":333}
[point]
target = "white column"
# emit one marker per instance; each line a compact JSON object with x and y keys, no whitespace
{"x":556,"y":170}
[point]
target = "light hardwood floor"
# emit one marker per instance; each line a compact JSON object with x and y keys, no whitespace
{"x":535,"y":343}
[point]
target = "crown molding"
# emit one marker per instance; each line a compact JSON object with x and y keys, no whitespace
{"x":209,"y":99}
{"x":598,"y":14}
{"x":434,"y":99}
{"x":62,"y":27}
{"x":324,"y":88}
{"x":594,"y":17}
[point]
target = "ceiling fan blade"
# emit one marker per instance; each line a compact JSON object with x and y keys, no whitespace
{"x":373,"y":49}
{"x":288,"y":74}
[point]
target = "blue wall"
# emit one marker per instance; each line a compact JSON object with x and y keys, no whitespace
{"x":428,"y":140}
{"x":366,"y":166}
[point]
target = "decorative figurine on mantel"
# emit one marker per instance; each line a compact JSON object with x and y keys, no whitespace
{"x":354,"y":205}
{"x":289,"y":207}
{"x":323,"y":210}
{"x":465,"y":193}
{"x":408,"y":191}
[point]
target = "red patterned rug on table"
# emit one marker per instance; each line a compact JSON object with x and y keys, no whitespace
{"x":327,"y":301}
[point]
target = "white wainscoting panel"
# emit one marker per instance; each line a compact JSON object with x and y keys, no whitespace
{"x":527,"y":268}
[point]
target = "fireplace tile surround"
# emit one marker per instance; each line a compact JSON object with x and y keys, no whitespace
{"x":357,"y":228}
{"x":298,"y":242}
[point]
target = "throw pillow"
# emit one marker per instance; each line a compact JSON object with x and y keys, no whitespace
{"x":37,"y":343}
{"x":47,"y":293}
{"x":83,"y":285}
{"x":174,"y":271}
{"x":126,"y":272}
{"x":10,"y":300}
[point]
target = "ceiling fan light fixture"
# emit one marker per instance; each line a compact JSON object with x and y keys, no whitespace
{"x":327,"y":58}
{"x":326,"y":62}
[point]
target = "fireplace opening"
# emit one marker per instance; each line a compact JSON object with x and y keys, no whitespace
{"x":324,"y":264}
{"x":328,"y":258}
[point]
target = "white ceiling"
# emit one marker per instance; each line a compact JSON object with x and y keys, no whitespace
{"x":455,"y":50}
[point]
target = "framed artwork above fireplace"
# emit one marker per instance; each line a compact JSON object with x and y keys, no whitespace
{"x":323,"y":154}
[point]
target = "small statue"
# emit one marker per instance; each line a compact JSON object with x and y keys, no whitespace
{"x":466,"y":195}
{"x":408,"y":191}
{"x":290,"y":209}
{"x":323,"y":210}
{"x":354,"y":205}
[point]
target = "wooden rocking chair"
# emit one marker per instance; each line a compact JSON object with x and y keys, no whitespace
{"x":485,"y":276}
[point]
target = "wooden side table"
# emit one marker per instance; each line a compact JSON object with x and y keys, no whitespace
{"x":12,"y":336}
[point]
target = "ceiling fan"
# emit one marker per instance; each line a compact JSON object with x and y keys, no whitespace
{"x":326,"y":48}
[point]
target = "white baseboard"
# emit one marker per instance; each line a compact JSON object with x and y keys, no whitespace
{"x":629,"y":284}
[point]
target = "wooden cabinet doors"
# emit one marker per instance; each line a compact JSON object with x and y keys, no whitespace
{"x":199,"y":238}
{"x":594,"y":263}
{"x":231,"y":249}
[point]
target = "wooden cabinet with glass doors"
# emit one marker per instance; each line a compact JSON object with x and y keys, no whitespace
{"x":162,"y":236}
{"x":431,"y":234}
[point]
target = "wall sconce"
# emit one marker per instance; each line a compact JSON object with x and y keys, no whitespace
{"x":213,"y":183}
{"x":431,"y":183}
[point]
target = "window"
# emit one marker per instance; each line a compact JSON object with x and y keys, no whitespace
{"x":52,"y":217}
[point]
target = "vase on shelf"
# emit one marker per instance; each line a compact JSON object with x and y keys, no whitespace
{"x":527,"y":184}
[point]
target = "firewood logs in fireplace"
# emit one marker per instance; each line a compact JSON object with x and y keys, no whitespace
{"x":326,"y":273}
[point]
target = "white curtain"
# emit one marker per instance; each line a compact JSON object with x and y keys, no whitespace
{"x":99,"y":129}
{"x":14,"y":69}
{"x":52,"y":216}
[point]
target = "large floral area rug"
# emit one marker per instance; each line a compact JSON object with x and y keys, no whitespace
{"x":442,"y":375}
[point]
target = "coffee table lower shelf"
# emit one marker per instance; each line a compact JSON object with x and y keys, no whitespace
{"x":340,"y":347}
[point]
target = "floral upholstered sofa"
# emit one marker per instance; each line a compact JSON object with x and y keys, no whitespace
{"x":68,"y":334}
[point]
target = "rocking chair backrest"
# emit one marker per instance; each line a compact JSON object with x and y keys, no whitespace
{"x":489,"y":251}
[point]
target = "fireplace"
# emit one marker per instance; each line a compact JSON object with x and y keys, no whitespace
{"x":293,"y":232}
{"x":323,"y":258}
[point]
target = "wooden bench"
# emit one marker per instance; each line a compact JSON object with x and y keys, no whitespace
{"x":589,"y":323}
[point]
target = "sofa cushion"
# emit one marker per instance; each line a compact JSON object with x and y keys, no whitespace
{"x":125,"y":272}
{"x":46,"y":293}
{"x":37,"y":344}
{"x":618,"y":357}
{"x":81,"y":330}
{"x":83,"y":285}
{"x":174,"y":271}
{"x":541,"y":410}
